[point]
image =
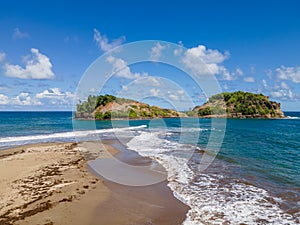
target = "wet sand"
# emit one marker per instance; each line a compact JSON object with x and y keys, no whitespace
{"x":52,"y":184}
{"x":140,"y":205}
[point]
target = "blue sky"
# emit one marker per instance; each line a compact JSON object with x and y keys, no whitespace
{"x":45,"y":47}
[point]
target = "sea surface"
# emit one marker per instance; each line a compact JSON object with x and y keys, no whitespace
{"x":253,"y":165}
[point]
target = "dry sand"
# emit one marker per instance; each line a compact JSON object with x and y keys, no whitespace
{"x":51,"y":184}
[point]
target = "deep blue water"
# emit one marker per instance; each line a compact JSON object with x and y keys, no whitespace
{"x":263,"y":152}
{"x":269,"y":148}
{"x":34,"y":123}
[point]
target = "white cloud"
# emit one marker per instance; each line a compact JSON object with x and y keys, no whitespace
{"x":249,"y":79}
{"x":4,"y":100}
{"x":280,"y":91}
{"x":239,"y":72}
{"x":52,"y":96}
{"x":156,"y":51}
{"x":226,"y":75}
{"x":24,"y":99}
{"x":103,"y":42}
{"x":284,"y":85}
{"x":154,"y":92}
{"x":121,"y":69}
{"x":124,"y":88}
{"x":55,"y":93}
{"x":181,"y":92}
{"x":92,"y":90}
{"x":289,"y":73}
{"x":17,"y":34}
{"x":283,"y":94}
{"x":173,"y":97}
{"x":203,"y":61}
{"x":179,"y":50}
{"x":37,"y":66}
{"x":148,"y":81}
{"x":265,"y":83}
{"x":2,"y":56}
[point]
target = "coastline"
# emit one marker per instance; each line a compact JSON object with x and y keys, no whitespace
{"x":182,"y":117}
{"x":50,"y":183}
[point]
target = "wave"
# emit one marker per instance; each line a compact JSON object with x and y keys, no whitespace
{"x":292,"y":118}
{"x":65,"y":135}
{"x":213,"y":198}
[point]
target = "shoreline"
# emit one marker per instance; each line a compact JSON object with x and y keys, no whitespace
{"x":180,"y":117}
{"x":51,"y":183}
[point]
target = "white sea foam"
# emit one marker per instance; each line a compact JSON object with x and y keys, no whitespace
{"x":213,"y":199}
{"x":292,"y":118}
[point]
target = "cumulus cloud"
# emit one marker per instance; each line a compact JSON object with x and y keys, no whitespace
{"x":283,"y":94}
{"x":18,"y":34}
{"x":154,"y":92}
{"x":24,"y":98}
{"x":2,"y":56}
{"x":156,"y":51}
{"x":179,"y":50}
{"x":226,"y":75}
{"x":37,"y":66}
{"x":4,"y":100}
{"x":158,"y":88}
{"x":121,"y":69}
{"x":281,"y":91}
{"x":173,"y":97}
{"x":148,"y":81}
{"x":203,"y":61}
{"x":52,"y":97}
{"x":55,"y":96}
{"x":104,"y":44}
{"x":289,"y":73}
{"x":279,"y":88}
{"x":249,"y":79}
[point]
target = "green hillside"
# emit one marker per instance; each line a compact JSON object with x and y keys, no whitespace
{"x":110,"y":107}
{"x":239,"y":105}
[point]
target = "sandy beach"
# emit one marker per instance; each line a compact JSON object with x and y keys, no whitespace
{"x":51,"y":184}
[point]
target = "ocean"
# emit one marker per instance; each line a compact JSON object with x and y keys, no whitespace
{"x":254,"y":178}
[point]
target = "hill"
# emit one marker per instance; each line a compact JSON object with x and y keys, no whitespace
{"x":110,"y":107}
{"x":239,"y":105}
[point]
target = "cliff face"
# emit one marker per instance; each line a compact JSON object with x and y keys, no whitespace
{"x":240,"y":105}
{"x":110,"y":107}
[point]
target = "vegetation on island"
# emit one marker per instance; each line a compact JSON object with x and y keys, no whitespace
{"x":239,"y":105}
{"x":232,"y":105}
{"x":105,"y":107}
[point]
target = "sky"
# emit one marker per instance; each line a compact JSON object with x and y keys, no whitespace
{"x":46,"y":47}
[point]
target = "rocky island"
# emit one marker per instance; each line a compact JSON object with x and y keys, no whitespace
{"x":239,"y":105}
{"x":231,"y":105}
{"x":106,"y":107}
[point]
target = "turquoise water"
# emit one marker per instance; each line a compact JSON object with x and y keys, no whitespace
{"x":256,"y":153}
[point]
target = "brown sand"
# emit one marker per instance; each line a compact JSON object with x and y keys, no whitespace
{"x":51,"y":184}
